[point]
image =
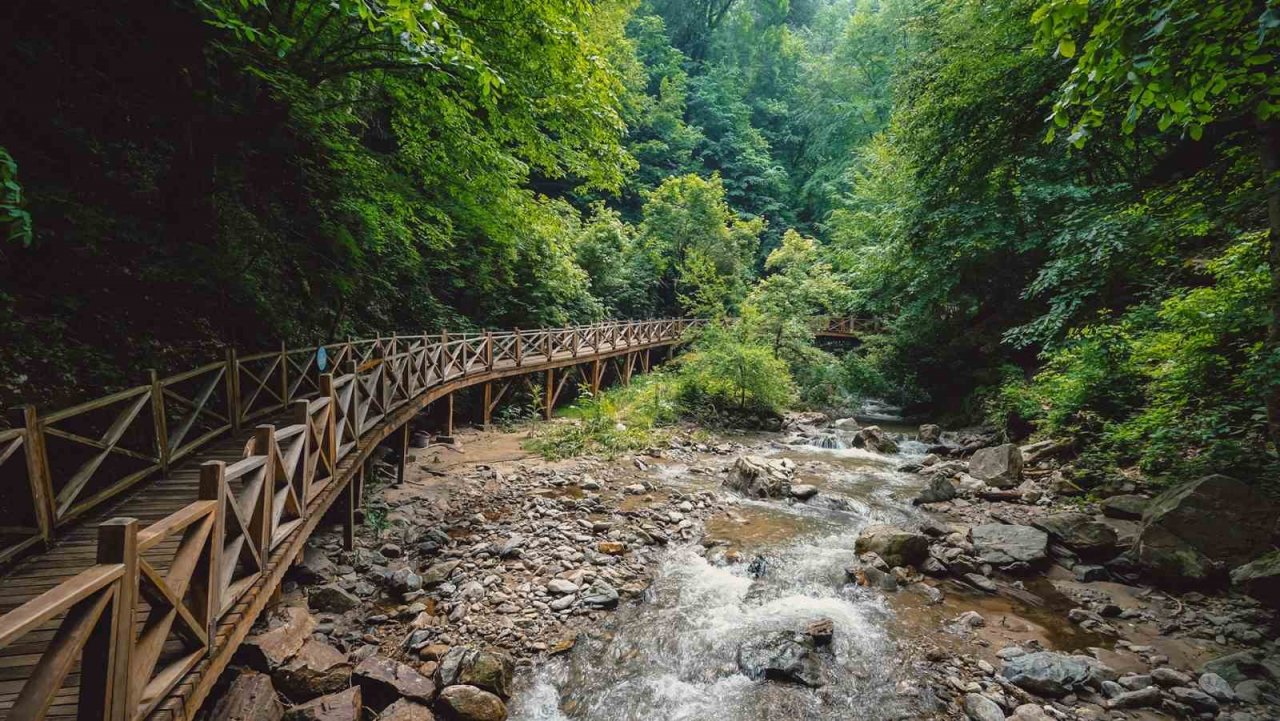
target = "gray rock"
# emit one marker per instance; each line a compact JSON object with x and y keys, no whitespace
{"x":1046,"y":673}
{"x":331,"y":598}
{"x":1003,"y":545}
{"x":315,"y":670}
{"x":1145,"y":697}
{"x":438,"y":573}
{"x":760,"y":477}
{"x":1260,"y":578}
{"x":1217,"y":687}
{"x":876,"y":440}
{"x":1081,"y":533}
{"x":1235,"y":667}
{"x":251,"y":697}
{"x":468,"y":703}
{"x":341,"y":706}
{"x":561,"y":587}
{"x":1192,"y":532}
{"x":1169,"y":677}
{"x":897,"y":546}
{"x":998,"y":466}
{"x":383,"y":680}
{"x":929,"y":433}
{"x":940,"y":489}
{"x":781,"y":656}
{"x":803,"y":491}
{"x":1126,"y":507}
{"x":1195,"y":698}
{"x":980,"y":708}
{"x":600,"y":595}
{"x":488,"y":670}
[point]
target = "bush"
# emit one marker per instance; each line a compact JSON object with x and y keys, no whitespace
{"x":620,"y":420}
{"x":724,"y":372}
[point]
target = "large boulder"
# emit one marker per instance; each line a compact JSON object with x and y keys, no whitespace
{"x":383,"y":681}
{"x":251,"y":697}
{"x":897,"y":546}
{"x":406,"y":710}
{"x":488,"y":670}
{"x":929,"y":433}
{"x":468,"y":703}
{"x":287,"y":630}
{"x":760,"y":477}
{"x":781,"y":656}
{"x":1046,"y":673}
{"x":1007,"y":546}
{"x":1260,"y":578}
{"x":1194,"y":531}
{"x":315,"y":670}
{"x":332,"y":598}
{"x":341,"y":706}
{"x":1084,"y":534}
{"x":998,"y":466}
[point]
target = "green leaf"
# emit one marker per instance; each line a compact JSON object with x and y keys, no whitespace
{"x":1067,"y":47}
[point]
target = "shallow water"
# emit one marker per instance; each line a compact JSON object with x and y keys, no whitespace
{"x":674,"y":655}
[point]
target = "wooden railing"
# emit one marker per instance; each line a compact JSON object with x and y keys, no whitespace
{"x":848,"y":326}
{"x":148,"y":611}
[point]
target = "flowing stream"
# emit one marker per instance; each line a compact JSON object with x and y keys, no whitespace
{"x":674,"y":656}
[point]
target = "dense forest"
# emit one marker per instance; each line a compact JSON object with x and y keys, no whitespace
{"x":1064,"y":215}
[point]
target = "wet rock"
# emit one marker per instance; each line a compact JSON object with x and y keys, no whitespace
{"x":929,"y":433}
{"x":341,"y":706}
{"x":251,"y":697}
{"x":803,"y":491}
{"x":1030,"y":712}
{"x":822,"y":631}
{"x":288,"y":629}
{"x":871,"y":577}
{"x":1046,"y":673}
{"x":561,"y":587}
{"x":1080,"y":533}
{"x":487,"y":670}
{"x":760,"y":477}
{"x":1005,"y":545}
{"x":1169,"y":677}
{"x":980,"y":708}
{"x":1260,"y":578}
{"x":940,"y":489}
{"x":384,"y":680}
{"x":998,"y":466}
{"x":781,"y":656}
{"x":406,"y":710}
{"x":468,"y":703}
{"x":1145,"y":697}
{"x":897,"y":546}
{"x":331,"y":598}
{"x":1235,"y":667}
{"x":875,"y":440}
{"x":1125,"y":507}
{"x":315,"y":670}
{"x":1192,"y":531}
{"x":980,"y":582}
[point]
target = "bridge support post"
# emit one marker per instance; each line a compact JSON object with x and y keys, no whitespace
{"x":596,"y":373}
{"x":549,"y":391}
{"x":350,"y":499}
{"x":488,"y":404}
{"x":448,"y":424}
{"x":404,"y":453}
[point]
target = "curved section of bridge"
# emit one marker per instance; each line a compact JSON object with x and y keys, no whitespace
{"x":147,"y":529}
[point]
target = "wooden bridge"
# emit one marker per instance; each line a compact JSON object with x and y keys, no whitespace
{"x":147,"y":529}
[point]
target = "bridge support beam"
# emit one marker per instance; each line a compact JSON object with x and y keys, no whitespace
{"x":349,"y":501}
{"x":404,"y":453}
{"x":488,"y":405}
{"x":448,"y":424}
{"x":549,"y":404}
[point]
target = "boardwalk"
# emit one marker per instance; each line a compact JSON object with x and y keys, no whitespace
{"x":172,"y":510}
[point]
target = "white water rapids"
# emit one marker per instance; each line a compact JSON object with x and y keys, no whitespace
{"x":673,"y":656}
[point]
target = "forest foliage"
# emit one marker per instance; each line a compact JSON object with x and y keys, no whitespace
{"x":1064,"y":214}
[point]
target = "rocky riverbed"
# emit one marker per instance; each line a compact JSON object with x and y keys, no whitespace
{"x":828,"y":571}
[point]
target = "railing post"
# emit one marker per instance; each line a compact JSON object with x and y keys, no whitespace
{"x":264,"y":441}
{"x":284,"y":376}
{"x":331,"y":426}
{"x":38,"y":478}
{"x":233,"y":389}
{"x":573,"y":341}
{"x":206,"y":593}
{"x":519,"y":348}
{"x":158,"y":422}
{"x":302,"y":416}
{"x":118,"y":543}
{"x":546,"y":343}
{"x":488,"y":350}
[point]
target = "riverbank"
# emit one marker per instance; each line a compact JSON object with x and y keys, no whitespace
{"x":629,"y":588}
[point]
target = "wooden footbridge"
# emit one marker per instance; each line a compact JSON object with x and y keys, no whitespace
{"x":146,"y":530}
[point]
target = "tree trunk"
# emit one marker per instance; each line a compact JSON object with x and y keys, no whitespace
{"x":1271,"y":179}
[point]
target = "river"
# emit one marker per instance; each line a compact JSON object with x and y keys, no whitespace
{"x":673,"y":656}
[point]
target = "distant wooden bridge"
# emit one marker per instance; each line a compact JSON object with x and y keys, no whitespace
{"x":147,"y":529}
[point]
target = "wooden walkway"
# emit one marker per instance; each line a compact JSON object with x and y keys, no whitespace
{"x":166,"y":511}
{"x":145,"y":531}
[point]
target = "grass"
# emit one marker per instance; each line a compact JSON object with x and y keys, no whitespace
{"x":617,"y":421}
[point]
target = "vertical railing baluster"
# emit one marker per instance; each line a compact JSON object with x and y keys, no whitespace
{"x":158,"y":424}
{"x":39,"y":480}
{"x":207,"y":584}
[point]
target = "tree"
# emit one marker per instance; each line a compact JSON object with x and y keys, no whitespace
{"x":1178,"y":64}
